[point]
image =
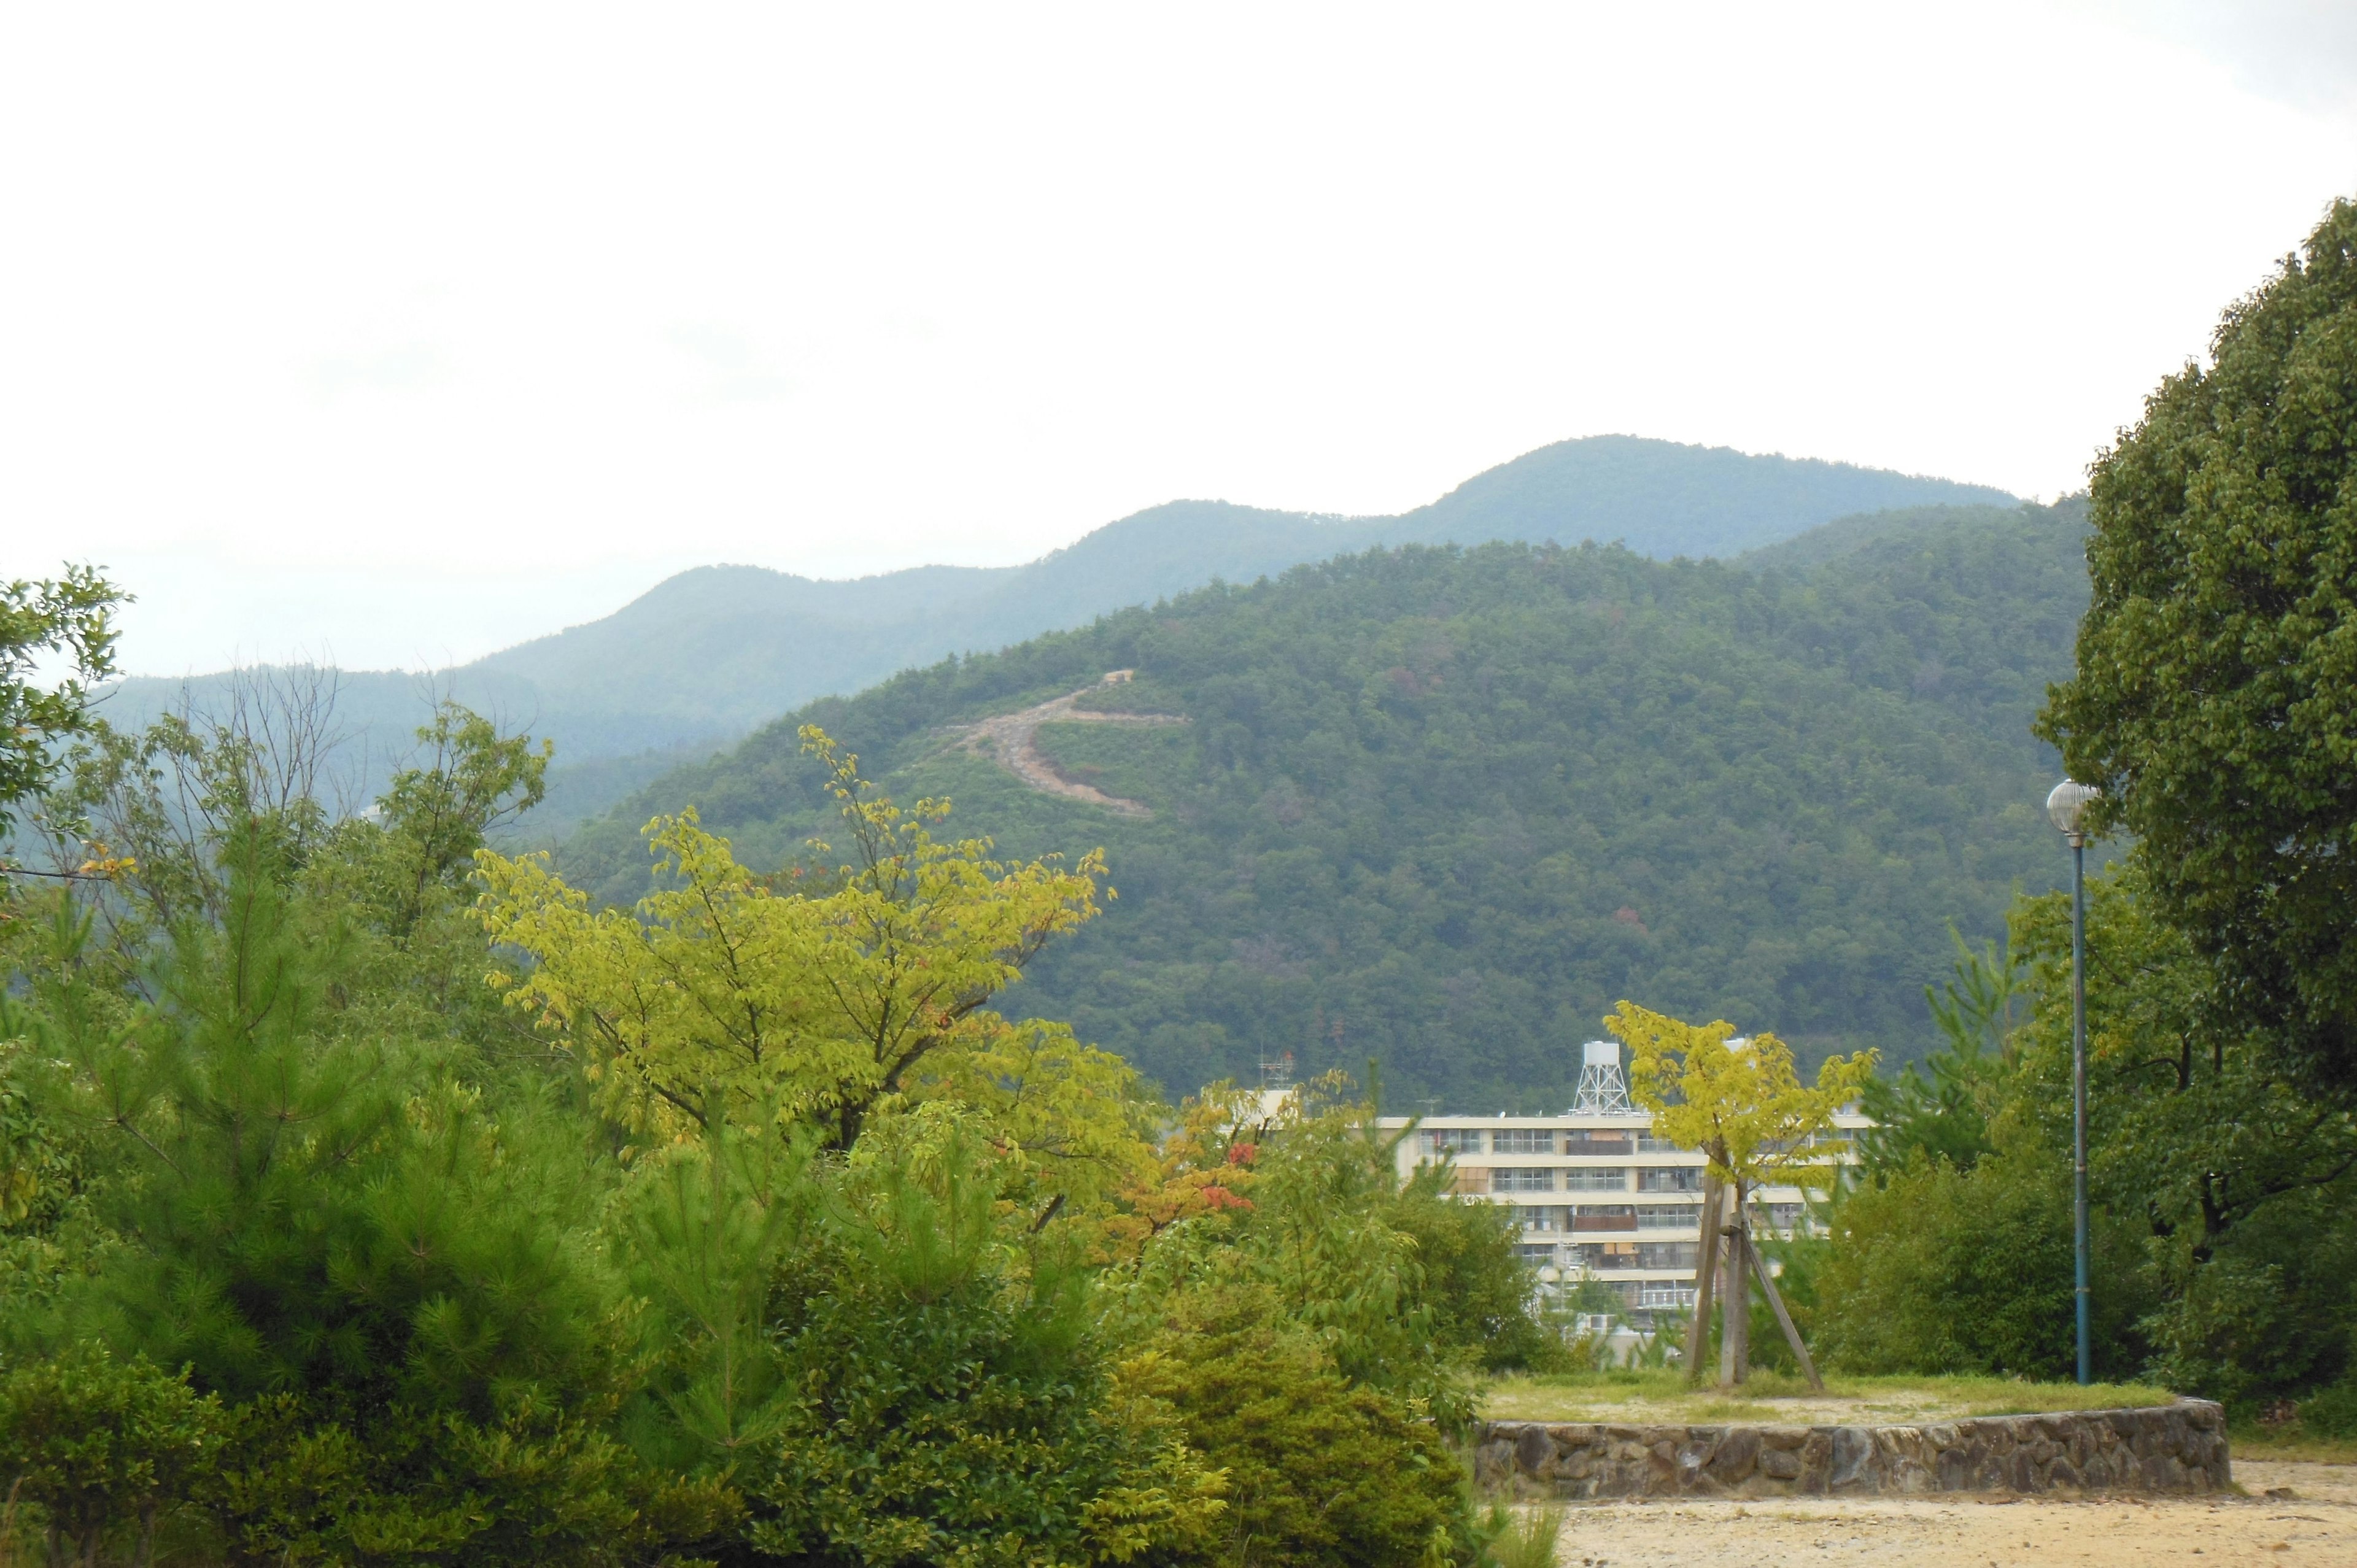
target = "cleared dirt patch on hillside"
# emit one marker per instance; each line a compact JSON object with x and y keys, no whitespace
{"x":2316,"y":1523}
{"x":1011,"y":741}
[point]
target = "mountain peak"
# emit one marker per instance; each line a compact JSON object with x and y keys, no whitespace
{"x":1665,"y":498}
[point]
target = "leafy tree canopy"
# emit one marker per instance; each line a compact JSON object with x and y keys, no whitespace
{"x":1737,"y":1099}
{"x":71,"y":616}
{"x":2213,"y":699}
{"x":821,"y":1006}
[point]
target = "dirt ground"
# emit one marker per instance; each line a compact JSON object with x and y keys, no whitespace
{"x":2315,"y":1523}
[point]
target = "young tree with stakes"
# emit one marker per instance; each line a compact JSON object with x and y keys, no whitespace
{"x":1740,"y":1102}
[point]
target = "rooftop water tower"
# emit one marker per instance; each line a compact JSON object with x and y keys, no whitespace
{"x":1603,"y":1087}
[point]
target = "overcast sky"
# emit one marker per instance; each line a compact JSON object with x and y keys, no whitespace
{"x":398,"y":334}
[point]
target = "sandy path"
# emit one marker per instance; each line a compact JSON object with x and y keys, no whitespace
{"x":1010,"y":740}
{"x":2317,"y":1524}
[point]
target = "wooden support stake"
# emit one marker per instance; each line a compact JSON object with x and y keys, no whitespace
{"x":1706,"y":1277}
{"x":1784,"y":1321}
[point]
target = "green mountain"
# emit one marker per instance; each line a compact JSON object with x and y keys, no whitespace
{"x":1444,"y":806}
{"x":707,"y":655}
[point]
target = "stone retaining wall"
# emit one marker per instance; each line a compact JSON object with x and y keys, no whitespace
{"x":2166,"y":1448}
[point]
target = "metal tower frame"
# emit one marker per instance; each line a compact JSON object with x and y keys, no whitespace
{"x":1603,"y":1087}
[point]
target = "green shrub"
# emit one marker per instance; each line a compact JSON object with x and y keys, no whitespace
{"x":280,"y":1486}
{"x":1943,"y":1270}
{"x":947,"y":1400}
{"x":383,"y":1270}
{"x":535,"y":1486}
{"x":1472,"y":1274}
{"x":1322,"y":1473}
{"x":99,"y":1445}
{"x":2269,"y":1314}
{"x":2332,"y":1411}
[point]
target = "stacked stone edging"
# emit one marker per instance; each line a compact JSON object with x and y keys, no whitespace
{"x":2177,"y":1448}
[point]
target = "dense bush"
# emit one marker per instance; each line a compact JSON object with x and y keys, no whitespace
{"x":945,"y":1397}
{"x":2220,"y":1191}
{"x":438,"y":1304}
{"x":2332,"y":1411}
{"x":98,"y":1446}
{"x":1946,"y":1270}
{"x":380,"y":1275}
{"x":1470,"y":1259}
{"x":1321,"y":1471}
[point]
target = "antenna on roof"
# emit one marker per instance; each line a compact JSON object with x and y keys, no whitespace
{"x":1277,"y":1072}
{"x":1603,"y":1087}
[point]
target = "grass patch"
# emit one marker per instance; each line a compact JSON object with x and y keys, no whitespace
{"x":1659,"y":1395}
{"x":1522,"y":1537}
{"x":2286,"y":1442}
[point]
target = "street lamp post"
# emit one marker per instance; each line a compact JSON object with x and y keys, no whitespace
{"x":2065,"y":807}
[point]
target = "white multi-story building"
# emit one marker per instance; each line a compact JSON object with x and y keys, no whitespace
{"x":1596,"y":1194}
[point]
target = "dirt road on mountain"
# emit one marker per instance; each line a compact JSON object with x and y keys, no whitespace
{"x":1011,"y":741}
{"x":2315,"y":1523}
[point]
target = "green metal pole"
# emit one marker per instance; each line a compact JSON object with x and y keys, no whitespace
{"x":2079,"y":1093}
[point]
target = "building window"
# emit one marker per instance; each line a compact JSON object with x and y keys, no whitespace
{"x":1522,"y":1141}
{"x":1542,"y":1217}
{"x":1540,"y":1255}
{"x":1605,"y":1217}
{"x":1612,"y":1145}
{"x":1670,"y":1178}
{"x":1648,"y":1144}
{"x":1521,"y":1179}
{"x":1452,"y":1140}
{"x":1665,"y":1295}
{"x":1668,"y":1216}
{"x":1665,"y":1254}
{"x":1595,"y":1178}
{"x":1777,"y":1216}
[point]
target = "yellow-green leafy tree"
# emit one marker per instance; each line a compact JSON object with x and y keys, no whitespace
{"x":1740,"y":1102}
{"x":826,"y":1001}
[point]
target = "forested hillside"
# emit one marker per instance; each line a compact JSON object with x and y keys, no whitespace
{"x":706,"y":656}
{"x":1443,"y":806}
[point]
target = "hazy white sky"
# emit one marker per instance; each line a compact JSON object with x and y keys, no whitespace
{"x":399,"y":334}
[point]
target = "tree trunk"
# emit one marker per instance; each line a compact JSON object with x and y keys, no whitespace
{"x":1734,"y":1301}
{"x":1705,"y":1276}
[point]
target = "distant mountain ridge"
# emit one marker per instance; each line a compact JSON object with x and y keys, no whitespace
{"x":1444,"y":807}
{"x":708,"y":654}
{"x":756,"y":642}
